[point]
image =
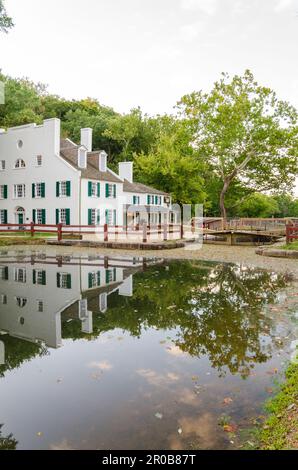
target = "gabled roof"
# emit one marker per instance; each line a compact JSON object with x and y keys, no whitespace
{"x":141,"y":188}
{"x":69,"y":152}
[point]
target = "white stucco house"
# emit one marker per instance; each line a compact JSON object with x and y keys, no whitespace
{"x":48,"y":180}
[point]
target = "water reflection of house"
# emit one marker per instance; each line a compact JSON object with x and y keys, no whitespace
{"x":36,"y":289}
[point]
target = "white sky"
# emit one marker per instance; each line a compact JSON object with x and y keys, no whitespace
{"x":148,"y":53}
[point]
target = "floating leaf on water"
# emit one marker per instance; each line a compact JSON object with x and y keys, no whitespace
{"x":180,"y":431}
{"x":158,"y":415}
{"x":231,"y":428}
{"x":162,"y":342}
{"x":39,"y":434}
{"x":227,"y":401}
{"x":195,"y":378}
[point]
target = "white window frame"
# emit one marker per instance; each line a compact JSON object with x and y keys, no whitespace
{"x":39,"y":219}
{"x":93,"y":189}
{"x":20,"y":275}
{"x":39,"y":276}
{"x":39,"y":160}
{"x":111,"y":190}
{"x":2,"y":165}
{"x":19,"y":191}
{"x":21,"y":301}
{"x":38,"y":190}
{"x":2,"y":186}
{"x":40,"y":306}
{"x":19,"y":164}
{"x":2,"y":273}
{"x":62,"y":216}
{"x":63,"y":281}
{"x":3,"y":298}
{"x":63,"y":189}
{"x":2,"y":216}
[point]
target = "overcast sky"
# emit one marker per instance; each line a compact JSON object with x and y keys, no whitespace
{"x":149,"y":53}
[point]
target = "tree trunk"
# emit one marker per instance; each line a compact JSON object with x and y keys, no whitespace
{"x":223,"y":211}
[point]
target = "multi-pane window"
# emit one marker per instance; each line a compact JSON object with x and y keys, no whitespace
{"x":3,"y":191}
{"x":111,"y":190}
{"x":38,"y":190}
{"x":110,"y":275}
{"x":63,"y":188}
{"x":111,"y":217}
{"x":64,"y":281}
{"x":39,"y":216}
{"x":20,"y":164}
{"x":40,"y":306}
{"x":3,"y":299}
{"x":3,"y":273}
{"x":2,"y":165}
{"x":19,"y":191}
{"x":20,"y":275}
{"x":39,"y":160}
{"x":3,"y":216}
{"x":94,"y":279}
{"x":21,"y":302}
{"x":93,"y":189}
{"x":39,"y":277}
{"x":93,"y":216}
{"x":136,"y":200}
{"x":63,"y":216}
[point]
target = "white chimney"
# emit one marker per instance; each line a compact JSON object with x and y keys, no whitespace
{"x":103,"y":161}
{"x":86,"y":138}
{"x":82,"y":157}
{"x":126,"y":171}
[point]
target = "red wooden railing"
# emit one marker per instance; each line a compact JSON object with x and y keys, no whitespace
{"x":291,"y":232}
{"x":106,"y":230}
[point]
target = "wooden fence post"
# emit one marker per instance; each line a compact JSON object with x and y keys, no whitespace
{"x":165,"y":232}
{"x":59,"y":232}
{"x":106,"y":233}
{"x":145,"y":232}
{"x":32,"y":229}
{"x":288,"y":234}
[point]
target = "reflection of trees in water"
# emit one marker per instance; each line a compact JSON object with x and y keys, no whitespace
{"x":215,"y":308}
{"x":18,"y":351}
{"x":8,"y":442}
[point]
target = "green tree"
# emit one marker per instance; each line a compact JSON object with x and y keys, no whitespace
{"x":258,"y":205}
{"x":6,"y":22}
{"x":287,"y":206}
{"x":171,"y":165}
{"x":245,"y":133}
{"x":7,"y":442}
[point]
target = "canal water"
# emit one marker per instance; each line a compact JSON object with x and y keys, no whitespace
{"x":130,"y":353}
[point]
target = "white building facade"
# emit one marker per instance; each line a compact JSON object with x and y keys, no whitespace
{"x":48,"y":180}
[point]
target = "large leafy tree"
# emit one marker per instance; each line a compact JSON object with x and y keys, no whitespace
{"x":171,"y":165}
{"x":245,"y":134}
{"x":5,"y":21}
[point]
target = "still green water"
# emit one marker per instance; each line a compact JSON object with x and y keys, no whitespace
{"x":127,"y":353}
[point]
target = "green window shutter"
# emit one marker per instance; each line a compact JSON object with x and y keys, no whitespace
{"x":44,"y":278}
{"x":43,"y":190}
{"x":43,"y":216}
{"x":6,"y":273}
{"x":5,"y":191}
{"x":134,"y":200}
{"x":5,"y":216}
{"x":34,"y":216}
{"x":148,"y":200}
{"x":68,"y":188}
{"x":34,"y":276}
{"x":90,"y":280}
{"x":98,"y":189}
{"x":107,"y":190}
{"x":115,"y":217}
{"x":57,"y":216}
{"x":107,"y":276}
{"x":98,"y":278}
{"x":89,"y":189}
{"x":57,"y":189}
{"x":114,"y":274}
{"x":115,"y":191}
{"x":156,"y":200}
{"x":58,"y":280}
{"x":68,"y":281}
{"x":89,"y":216}
{"x":98,"y":217}
{"x":67,"y":216}
{"x":107,"y":216}
{"x":33,"y":190}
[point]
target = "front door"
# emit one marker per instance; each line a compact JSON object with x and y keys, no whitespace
{"x":20,"y":219}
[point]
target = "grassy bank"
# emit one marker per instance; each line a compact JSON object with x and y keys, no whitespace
{"x":291,"y":246}
{"x":280,"y":431}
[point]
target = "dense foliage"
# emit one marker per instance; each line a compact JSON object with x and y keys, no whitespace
{"x":235,"y":150}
